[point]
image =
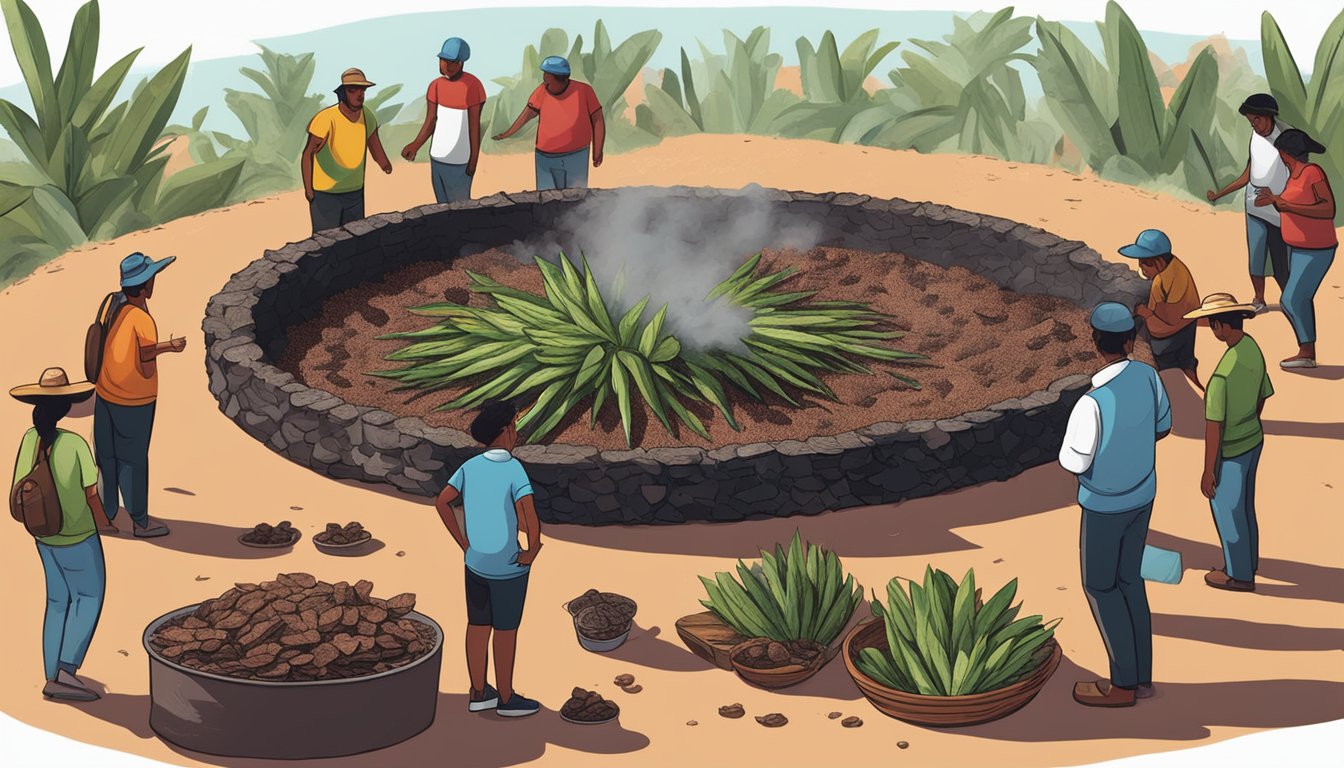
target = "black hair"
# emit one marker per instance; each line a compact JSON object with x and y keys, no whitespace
{"x":1113,"y":342}
{"x":1231,"y":319}
{"x":490,"y":423}
{"x":132,"y":291}
{"x":1298,"y":144}
{"x":343,"y":95}
{"x":46,"y":414}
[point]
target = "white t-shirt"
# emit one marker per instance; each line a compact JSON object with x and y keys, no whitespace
{"x":451,"y":100}
{"x":1267,"y":170}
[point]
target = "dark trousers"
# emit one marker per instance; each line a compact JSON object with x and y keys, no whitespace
{"x":1112,"y":560}
{"x":332,"y":210}
{"x":121,"y":447}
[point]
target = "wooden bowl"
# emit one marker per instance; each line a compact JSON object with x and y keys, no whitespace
{"x":292,"y":541}
{"x":353,"y":548}
{"x":779,"y":677}
{"x":942,"y":711}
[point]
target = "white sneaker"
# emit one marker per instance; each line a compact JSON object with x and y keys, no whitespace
{"x":1259,"y":307}
{"x":1298,"y":362}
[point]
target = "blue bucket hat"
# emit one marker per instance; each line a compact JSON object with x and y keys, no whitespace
{"x":556,"y":65}
{"x":1149,"y":243}
{"x":1112,"y":317}
{"x":138,"y":269}
{"x":455,"y":49}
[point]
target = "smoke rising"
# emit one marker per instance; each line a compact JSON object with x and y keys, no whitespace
{"x":674,"y":250}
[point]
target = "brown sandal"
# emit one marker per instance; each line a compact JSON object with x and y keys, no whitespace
{"x":1101,"y":693}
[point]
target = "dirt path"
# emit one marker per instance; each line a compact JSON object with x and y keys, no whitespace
{"x":1225,"y":663}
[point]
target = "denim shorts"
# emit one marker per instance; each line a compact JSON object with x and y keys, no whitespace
{"x":495,"y":603}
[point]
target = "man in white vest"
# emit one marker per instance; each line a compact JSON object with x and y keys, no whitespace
{"x":1264,"y":170}
{"x":1111,"y":445}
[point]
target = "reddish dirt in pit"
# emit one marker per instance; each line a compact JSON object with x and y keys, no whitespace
{"x":984,"y":344}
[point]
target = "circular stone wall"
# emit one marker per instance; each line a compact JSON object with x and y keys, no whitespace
{"x":246,"y":325}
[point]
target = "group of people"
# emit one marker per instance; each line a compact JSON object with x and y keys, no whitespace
{"x":91,"y":486}
{"x":570,"y":134}
{"x":1112,"y":433}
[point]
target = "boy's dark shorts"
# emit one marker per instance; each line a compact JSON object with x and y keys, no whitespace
{"x":495,"y":603}
{"x":1176,"y":350}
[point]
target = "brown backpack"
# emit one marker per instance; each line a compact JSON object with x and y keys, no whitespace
{"x":95,"y":339}
{"x":34,"y":501}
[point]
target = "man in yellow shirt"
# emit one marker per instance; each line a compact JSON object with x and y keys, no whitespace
{"x":1170,"y":334}
{"x":127,"y":390}
{"x":333,"y":161}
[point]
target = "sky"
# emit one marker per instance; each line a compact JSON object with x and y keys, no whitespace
{"x":164,"y":29}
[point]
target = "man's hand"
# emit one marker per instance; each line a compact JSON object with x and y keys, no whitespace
{"x":409,"y":151}
{"x":1208,"y":485}
{"x":471,"y":167}
{"x":308,"y":193}
{"x":386,"y":166}
{"x":1212,"y":195}
{"x":597,"y":158}
{"x":1264,"y":197}
{"x":178,"y":344}
{"x":1143,"y":311}
{"x":526,"y":556}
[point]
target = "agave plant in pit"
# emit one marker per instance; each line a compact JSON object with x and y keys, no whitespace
{"x":941,"y":643}
{"x":567,"y":345}
{"x":794,"y":594}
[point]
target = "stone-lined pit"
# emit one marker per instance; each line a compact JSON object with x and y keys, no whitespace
{"x":246,"y":329}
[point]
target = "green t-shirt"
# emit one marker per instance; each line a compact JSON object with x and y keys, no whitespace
{"x":73,"y":469}
{"x":1235,"y":390}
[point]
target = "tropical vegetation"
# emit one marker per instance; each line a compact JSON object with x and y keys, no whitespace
{"x":942,"y":642}
{"x":571,"y":344}
{"x":792,"y":594}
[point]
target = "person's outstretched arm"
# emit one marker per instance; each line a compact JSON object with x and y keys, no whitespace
{"x":527,"y":114}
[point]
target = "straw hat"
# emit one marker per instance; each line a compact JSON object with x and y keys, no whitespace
{"x":355,"y":77}
{"x":1220,"y":304}
{"x":53,"y":383}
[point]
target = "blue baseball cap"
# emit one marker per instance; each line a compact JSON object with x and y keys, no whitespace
{"x":556,"y":65}
{"x":1112,"y":317}
{"x":138,"y":269}
{"x":1149,"y":243}
{"x":455,"y":49}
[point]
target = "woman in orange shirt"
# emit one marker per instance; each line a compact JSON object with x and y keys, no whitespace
{"x":1307,"y":207}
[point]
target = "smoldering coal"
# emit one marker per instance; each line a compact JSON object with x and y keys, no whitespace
{"x":674,"y":250}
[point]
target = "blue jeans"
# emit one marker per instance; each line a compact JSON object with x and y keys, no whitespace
{"x":451,"y":182}
{"x":1233,"y":506}
{"x":1306,"y":270}
{"x":121,"y":447}
{"x":1264,"y":243}
{"x":76,"y":578}
{"x":567,"y":171}
{"x":1112,"y":560}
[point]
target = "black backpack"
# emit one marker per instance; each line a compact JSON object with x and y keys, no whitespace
{"x":95,"y":339}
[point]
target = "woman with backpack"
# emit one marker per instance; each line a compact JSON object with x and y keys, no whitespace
{"x":55,"y":496}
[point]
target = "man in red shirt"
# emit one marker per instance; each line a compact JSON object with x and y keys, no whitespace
{"x":453,"y":118}
{"x":571,"y":120}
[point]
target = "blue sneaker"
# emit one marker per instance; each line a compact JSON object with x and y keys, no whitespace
{"x":517,"y":706}
{"x":487,"y":699}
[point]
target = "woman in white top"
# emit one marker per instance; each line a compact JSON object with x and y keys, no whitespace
{"x":1264,"y":170}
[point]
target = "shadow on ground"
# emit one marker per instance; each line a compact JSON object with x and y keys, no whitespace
{"x":1237,"y":633}
{"x":199,"y":538}
{"x":915,"y":527}
{"x":457,"y":737}
{"x":1304,"y":581}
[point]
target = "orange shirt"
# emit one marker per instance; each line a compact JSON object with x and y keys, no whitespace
{"x":565,"y":120}
{"x":122,"y":380}
{"x":1302,"y":231}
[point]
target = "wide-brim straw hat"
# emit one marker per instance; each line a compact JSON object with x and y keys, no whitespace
{"x":1220,"y":304}
{"x":52,"y":383}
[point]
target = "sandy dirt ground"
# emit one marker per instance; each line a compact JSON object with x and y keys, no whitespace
{"x":1226,"y":663}
{"x":971,"y":333}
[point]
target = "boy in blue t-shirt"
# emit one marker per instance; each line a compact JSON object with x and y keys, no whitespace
{"x":496,"y":501}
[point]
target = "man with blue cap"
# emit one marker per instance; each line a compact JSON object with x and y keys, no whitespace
{"x":453,"y":117}
{"x":571,"y":120}
{"x":1170,"y":335}
{"x":127,"y":386}
{"x":1110,"y":444}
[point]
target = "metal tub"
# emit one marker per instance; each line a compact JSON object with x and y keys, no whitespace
{"x":229,"y":716}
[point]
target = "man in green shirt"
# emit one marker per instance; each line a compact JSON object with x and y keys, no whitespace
{"x":1233,"y":437}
